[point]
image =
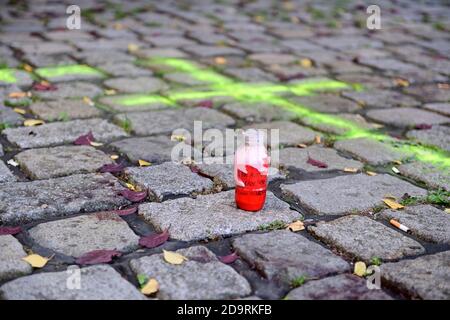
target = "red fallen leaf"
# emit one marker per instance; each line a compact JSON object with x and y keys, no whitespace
{"x":194,"y":169}
{"x":154,"y":240}
{"x":229,"y":258}
{"x":134,"y":196}
{"x":44,"y":87}
{"x":205,"y":104}
{"x":285,"y":78}
{"x":423,"y":126}
{"x":9,"y":230}
{"x":316,"y":163}
{"x":98,"y":256}
{"x":126,"y":212}
{"x":112,"y":167}
{"x":85,"y":139}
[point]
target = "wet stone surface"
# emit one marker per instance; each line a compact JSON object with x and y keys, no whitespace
{"x":79,"y":235}
{"x":58,"y":133}
{"x":340,"y":287}
{"x":284,"y":256}
{"x":190,"y":219}
{"x":45,"y":163}
{"x":363,"y":238}
{"x":29,"y":201}
{"x":348,"y":194}
{"x":425,"y":277}
{"x":11,"y":263}
{"x":212,"y":280}
{"x":100,"y":282}
{"x":424,"y":221}
{"x":168,"y":179}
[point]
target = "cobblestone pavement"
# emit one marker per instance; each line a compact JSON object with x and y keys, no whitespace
{"x":373,"y":105}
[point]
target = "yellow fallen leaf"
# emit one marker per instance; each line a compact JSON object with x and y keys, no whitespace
{"x":401,"y":82}
{"x":306,"y":63}
{"x":18,"y":94}
{"x":130,"y":186}
{"x":397,"y":162}
{"x":95,"y":144}
{"x":177,"y":137}
{"x":173,"y":257}
{"x":36,"y":261}
{"x":45,"y":83}
{"x":353,"y":170}
{"x":393,"y":204}
{"x":20,"y":110}
{"x":371,"y":173}
{"x":317,"y":139}
{"x":143,"y":163}
{"x":296,"y":226}
{"x":220,"y":60}
{"x":110,"y":92}
{"x":28,"y":68}
{"x":118,"y":26}
{"x":32,"y":122}
{"x":259,"y":19}
{"x":447,"y":210}
{"x":150,"y":287}
{"x":114,"y":156}
{"x":133,"y":47}
{"x":360,"y":269}
{"x":302,"y":145}
{"x":88,"y":101}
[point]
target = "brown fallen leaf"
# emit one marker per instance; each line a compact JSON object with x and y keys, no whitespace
{"x":36,"y":261}
{"x":393,"y":204}
{"x":401,"y":82}
{"x":317,"y":139}
{"x":17,"y":95}
{"x":152,"y":286}
{"x":154,"y":240}
{"x":220,"y":60}
{"x":306,"y":63}
{"x":32,"y":122}
{"x":173,"y":257}
{"x":98,"y":256}
{"x":296,"y":226}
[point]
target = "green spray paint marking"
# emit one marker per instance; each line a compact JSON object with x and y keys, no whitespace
{"x":74,"y":69}
{"x":140,"y":99}
{"x":8,"y":76}
{"x":269,"y":93}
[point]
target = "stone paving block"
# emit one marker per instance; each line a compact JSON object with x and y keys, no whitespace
{"x":64,"y":110}
{"x":301,"y":46}
{"x":329,"y":103}
{"x":30,"y":201}
{"x":363,"y":238}
{"x":123,"y":69}
{"x":46,"y":48}
{"x":5,"y":174}
{"x":183,"y":78}
{"x":201,"y":277}
{"x":208,"y":51}
{"x":292,"y":72}
{"x":161,"y":52}
{"x":42,"y":60}
{"x":443,"y":108}
{"x":1,"y":151}
{"x":434,"y":176}
{"x":79,"y":235}
{"x":99,"y":57}
{"x":381,"y":99}
{"x":11,"y":263}
{"x":14,"y":76}
{"x":106,"y":44}
{"x":406,"y":117}
{"x":284,"y":256}
{"x":298,"y":159}
{"x":426,"y":277}
{"x":356,"y":119}
{"x":136,"y":85}
{"x":273,"y":58}
{"x":135,"y":102}
{"x":46,"y":163}
{"x":165,"y":121}
{"x":191,"y":219}
{"x":345,"y":42}
{"x":258,"y":112}
{"x":340,"y":287}
{"x":100,"y":282}
{"x":9,"y":117}
{"x":429,"y":93}
{"x":369,"y":150}
{"x":70,"y":90}
{"x":437,"y":136}
{"x":155,"y":149}
{"x":168,"y":179}
{"x":69,"y":73}
{"x":171,"y":42}
{"x":250,"y":75}
{"x":425,"y":222}
{"x":347,"y":194}
{"x":369,"y":81}
{"x":57,"y":133}
{"x":290,"y":134}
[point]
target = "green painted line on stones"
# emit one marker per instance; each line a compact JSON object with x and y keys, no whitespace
{"x":267,"y":93}
{"x":7,"y":75}
{"x":73,"y":69}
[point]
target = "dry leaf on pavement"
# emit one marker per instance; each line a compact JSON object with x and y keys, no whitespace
{"x":36,"y":261}
{"x":150,"y":287}
{"x":173,"y":257}
{"x":393,"y":204}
